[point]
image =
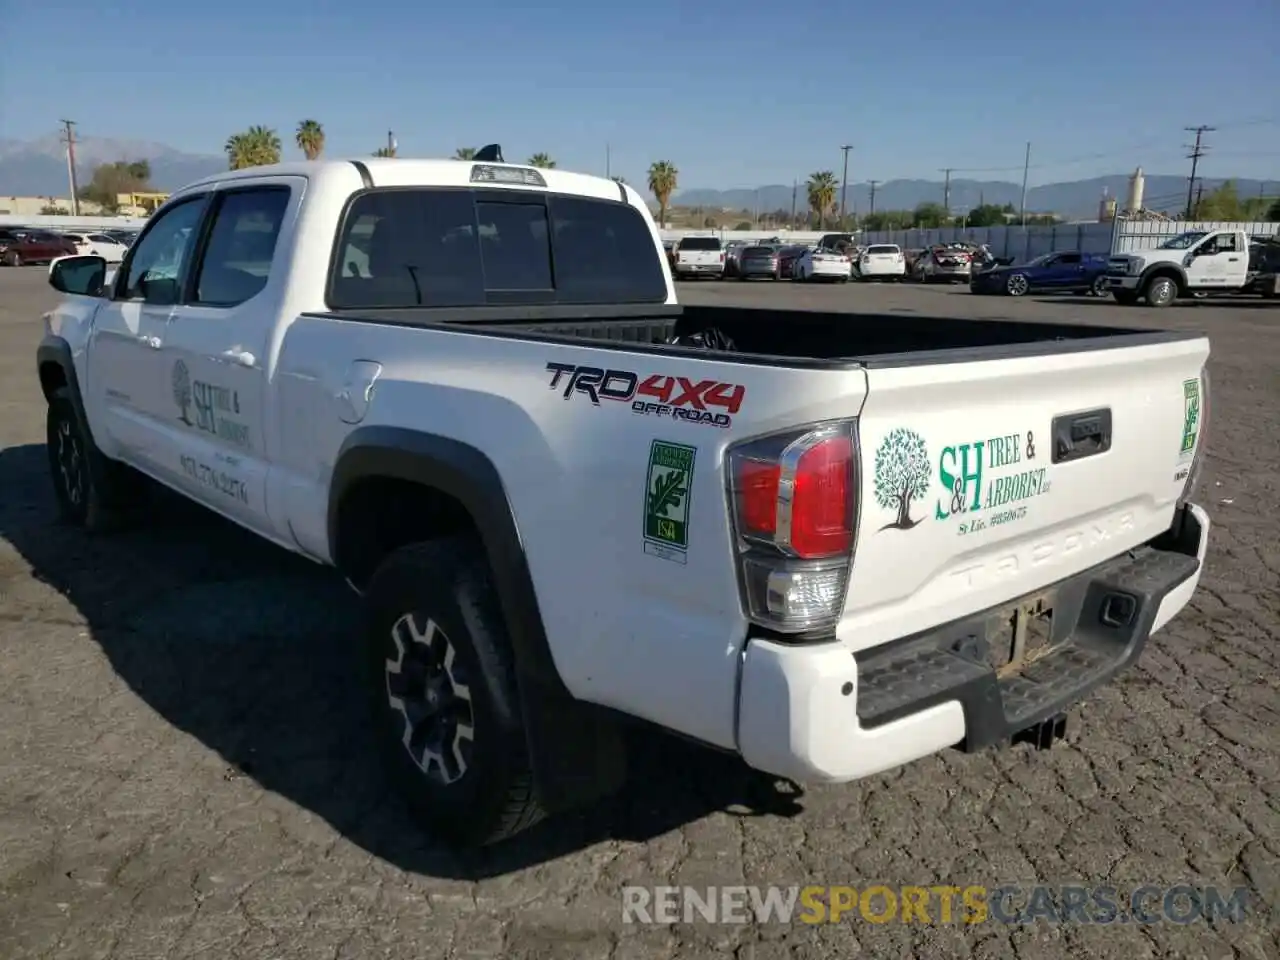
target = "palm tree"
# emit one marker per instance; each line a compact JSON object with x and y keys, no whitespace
{"x":310,"y":139}
{"x":255,"y":147}
{"x":464,"y":153}
{"x":384,"y":152}
{"x":822,"y":194}
{"x":541,"y":160}
{"x":662,"y":183}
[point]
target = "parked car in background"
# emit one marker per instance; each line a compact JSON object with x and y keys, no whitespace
{"x":127,"y":237}
{"x":699,"y":257}
{"x":21,"y":247}
{"x":760,"y":260}
{"x":731,"y":252}
{"x":787,"y":257}
{"x":942,"y":262}
{"x":1062,"y":272}
{"x":99,"y":245}
{"x":838,"y":242}
{"x":881,"y":261}
{"x":821,"y":264}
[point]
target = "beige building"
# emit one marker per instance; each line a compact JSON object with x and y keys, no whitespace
{"x":44,"y":206}
{"x":130,"y":205}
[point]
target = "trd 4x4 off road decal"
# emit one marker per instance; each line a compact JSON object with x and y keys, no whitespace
{"x":680,"y":398}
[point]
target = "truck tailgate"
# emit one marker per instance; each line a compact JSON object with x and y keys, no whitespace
{"x":983,"y":482}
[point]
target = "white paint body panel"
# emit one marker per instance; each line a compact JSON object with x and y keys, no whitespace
{"x":663,"y":641}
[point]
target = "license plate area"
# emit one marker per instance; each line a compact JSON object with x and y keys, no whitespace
{"x":1020,"y":634}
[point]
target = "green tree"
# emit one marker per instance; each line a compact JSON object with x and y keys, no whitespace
{"x":1220,"y":204}
{"x":541,"y":160}
{"x":1273,"y":212}
{"x":662,"y":183}
{"x":310,"y":139}
{"x":929,"y":215}
{"x":986,"y":215}
{"x":110,"y":180}
{"x":743,"y":225}
{"x":385,"y":152}
{"x":821,"y":191}
{"x":255,"y":147}
{"x":901,"y":475}
{"x":53,"y":210}
{"x":464,"y":153}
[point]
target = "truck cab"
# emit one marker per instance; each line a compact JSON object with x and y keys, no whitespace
{"x":1191,"y":263}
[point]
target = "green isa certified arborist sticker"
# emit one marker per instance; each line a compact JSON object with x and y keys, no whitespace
{"x":666,"y":500}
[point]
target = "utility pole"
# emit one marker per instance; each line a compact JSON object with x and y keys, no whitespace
{"x":1197,"y":151}
{"x":71,"y":166}
{"x":1199,"y":196}
{"x":946,"y":190}
{"x":794,"y":185}
{"x":844,"y":180}
{"x":873,"y":198}
{"x":1026,"y":165}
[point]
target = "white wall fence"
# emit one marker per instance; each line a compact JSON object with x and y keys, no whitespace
{"x":72,"y":223}
{"x":1021,"y":243}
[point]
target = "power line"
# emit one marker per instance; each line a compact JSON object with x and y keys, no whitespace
{"x":1197,"y":151}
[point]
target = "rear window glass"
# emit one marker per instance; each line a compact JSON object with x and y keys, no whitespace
{"x":443,"y":248}
{"x":758,"y":252}
{"x":699,"y":243}
{"x":883,"y":248}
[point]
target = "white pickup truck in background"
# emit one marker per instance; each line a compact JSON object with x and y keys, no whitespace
{"x":699,"y":257}
{"x":829,"y":543}
{"x":1196,"y":262}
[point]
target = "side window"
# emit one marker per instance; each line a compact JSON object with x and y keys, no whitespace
{"x":1226,"y":243}
{"x":514,"y":246}
{"x":155,"y":270}
{"x":1069,"y":259}
{"x":242,"y":243}
{"x":407,"y":248}
{"x":604,"y":251}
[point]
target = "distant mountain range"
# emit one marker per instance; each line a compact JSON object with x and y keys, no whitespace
{"x":38,"y":168}
{"x":1077,"y":199}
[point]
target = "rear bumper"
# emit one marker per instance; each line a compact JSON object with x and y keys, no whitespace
{"x":823,"y":714}
{"x":699,"y":268}
{"x":883,"y":270}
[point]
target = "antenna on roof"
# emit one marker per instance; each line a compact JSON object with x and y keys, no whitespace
{"x":490,"y":154}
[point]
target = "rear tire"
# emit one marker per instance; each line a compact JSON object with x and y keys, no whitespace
{"x":13,"y":258}
{"x":441,"y":677}
{"x":1099,"y":287}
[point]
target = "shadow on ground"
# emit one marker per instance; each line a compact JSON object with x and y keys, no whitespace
{"x":253,"y":652}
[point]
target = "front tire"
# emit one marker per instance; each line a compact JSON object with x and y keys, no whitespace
{"x":1160,"y":291}
{"x":1099,"y":287}
{"x":441,"y":676}
{"x":1017,"y":285}
{"x":82,"y":477}
{"x":13,"y":259}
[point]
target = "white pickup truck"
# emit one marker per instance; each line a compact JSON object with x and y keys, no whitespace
{"x":1194,"y":263}
{"x":828,"y":543}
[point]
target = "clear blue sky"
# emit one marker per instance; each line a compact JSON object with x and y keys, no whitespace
{"x":735,"y":94}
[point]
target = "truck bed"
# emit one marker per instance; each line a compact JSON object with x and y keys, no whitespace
{"x":763,"y":335}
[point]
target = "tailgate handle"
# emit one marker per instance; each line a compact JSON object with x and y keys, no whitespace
{"x":1080,"y":435}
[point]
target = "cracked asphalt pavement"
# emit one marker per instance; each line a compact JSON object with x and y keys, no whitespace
{"x":185,"y":769}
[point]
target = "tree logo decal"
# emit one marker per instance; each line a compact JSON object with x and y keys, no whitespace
{"x":902,"y":475}
{"x":182,"y":390}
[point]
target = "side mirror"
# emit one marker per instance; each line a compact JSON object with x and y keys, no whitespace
{"x":79,"y":276}
{"x":159,"y":291}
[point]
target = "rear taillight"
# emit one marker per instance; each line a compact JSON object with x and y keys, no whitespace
{"x":722,"y":258}
{"x":793,"y":498}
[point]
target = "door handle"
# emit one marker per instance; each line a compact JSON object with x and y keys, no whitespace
{"x":151,"y":342}
{"x":242,"y":357}
{"x":1234,"y":259}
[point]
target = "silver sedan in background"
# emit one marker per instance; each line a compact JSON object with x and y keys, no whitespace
{"x":760,"y":260}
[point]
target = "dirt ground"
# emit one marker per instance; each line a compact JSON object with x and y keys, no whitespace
{"x":185,"y":770}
